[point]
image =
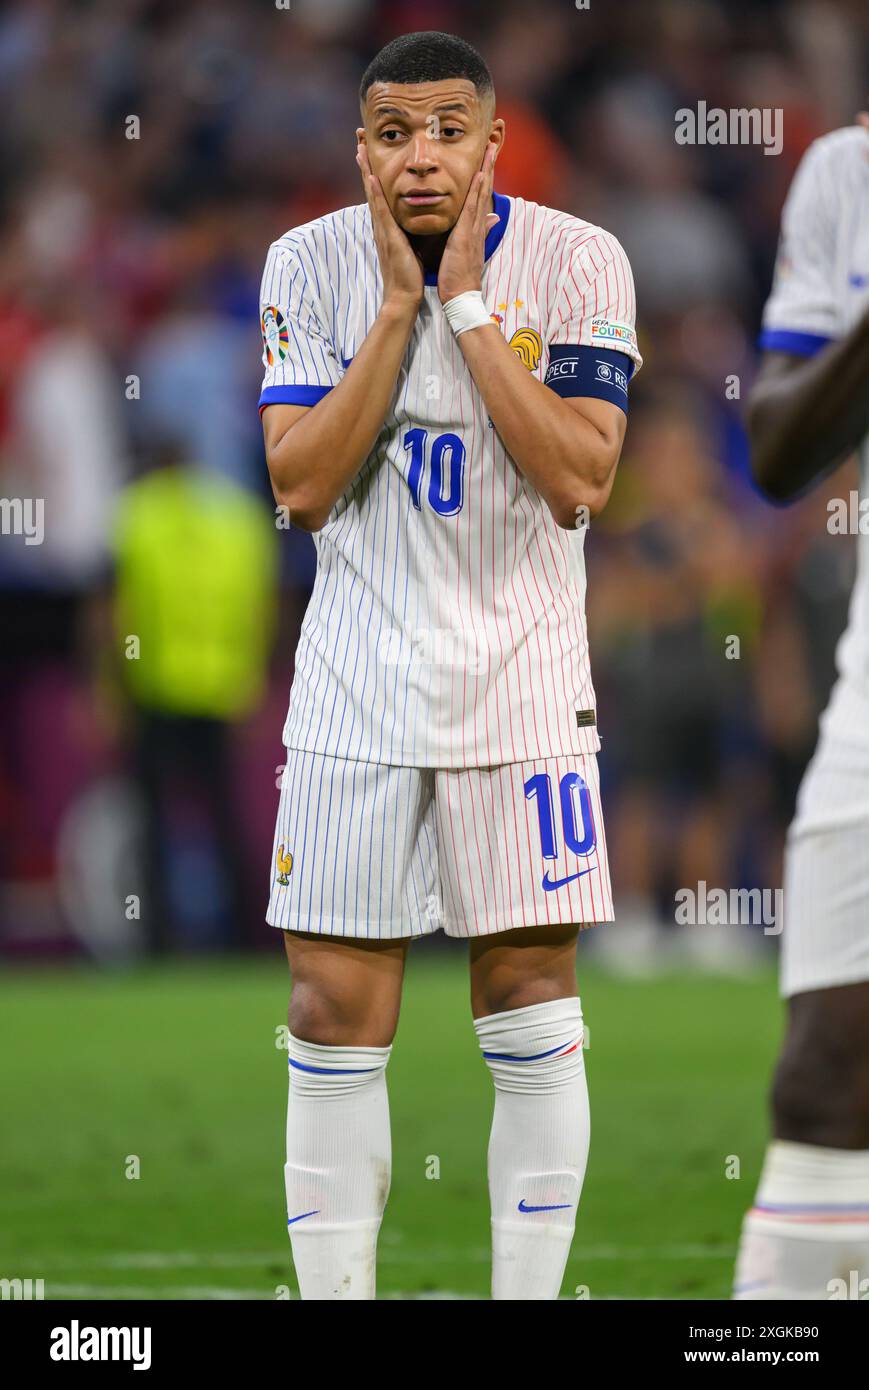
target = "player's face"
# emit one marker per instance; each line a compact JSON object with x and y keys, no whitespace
{"x":425,"y":142}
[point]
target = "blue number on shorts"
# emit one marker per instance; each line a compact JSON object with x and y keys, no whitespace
{"x":415,"y":442}
{"x":569,"y":782}
{"x":540,"y":786}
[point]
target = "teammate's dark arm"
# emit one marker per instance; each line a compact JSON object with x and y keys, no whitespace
{"x":806,"y":415}
{"x":314,"y":452}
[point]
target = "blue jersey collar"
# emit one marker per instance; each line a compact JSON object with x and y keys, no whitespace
{"x":495,"y":234}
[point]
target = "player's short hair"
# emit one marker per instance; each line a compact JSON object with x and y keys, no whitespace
{"x":428,"y":56}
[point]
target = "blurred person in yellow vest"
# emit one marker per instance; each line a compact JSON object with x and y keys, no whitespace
{"x":194,"y":617}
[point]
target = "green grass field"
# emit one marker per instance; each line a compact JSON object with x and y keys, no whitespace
{"x":179,"y":1067}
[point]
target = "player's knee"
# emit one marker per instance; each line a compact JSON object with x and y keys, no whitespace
{"x":326,"y":1071}
{"x":520,"y":968}
{"x":318,"y":1016}
{"x":534,"y":1046}
{"x":500,"y":994}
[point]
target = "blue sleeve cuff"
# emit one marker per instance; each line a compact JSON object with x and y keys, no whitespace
{"x":292,"y":395}
{"x":577,"y":370}
{"x":785,"y":340}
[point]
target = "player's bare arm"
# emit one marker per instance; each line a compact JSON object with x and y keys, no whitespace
{"x":567,"y":448}
{"x":806,"y":415}
{"x":313,"y":452}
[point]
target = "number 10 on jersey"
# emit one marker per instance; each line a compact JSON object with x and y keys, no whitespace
{"x":446,"y":463}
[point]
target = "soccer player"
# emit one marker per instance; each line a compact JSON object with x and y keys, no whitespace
{"x":445,"y":398}
{"x":809,"y":1225}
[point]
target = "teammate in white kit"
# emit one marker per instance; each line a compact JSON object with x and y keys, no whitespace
{"x":807,"y":1235}
{"x":443,"y":407}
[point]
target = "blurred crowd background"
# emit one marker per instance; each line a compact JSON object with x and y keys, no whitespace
{"x":137,"y":799}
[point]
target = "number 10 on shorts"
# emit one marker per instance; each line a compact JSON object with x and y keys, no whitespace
{"x":572,"y":791}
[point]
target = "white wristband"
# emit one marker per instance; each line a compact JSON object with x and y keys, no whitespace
{"x":466,"y":311}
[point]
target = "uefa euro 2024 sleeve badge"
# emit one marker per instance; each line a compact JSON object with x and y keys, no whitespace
{"x":275,"y":335}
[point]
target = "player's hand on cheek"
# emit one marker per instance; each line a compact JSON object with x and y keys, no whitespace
{"x":400,"y":267}
{"x":461,"y":266}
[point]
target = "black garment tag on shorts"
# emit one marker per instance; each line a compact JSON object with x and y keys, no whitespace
{"x":584,"y":718}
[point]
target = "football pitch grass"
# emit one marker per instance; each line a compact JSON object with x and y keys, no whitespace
{"x":177,"y":1068}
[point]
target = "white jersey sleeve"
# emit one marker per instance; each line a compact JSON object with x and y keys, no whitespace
{"x":596,"y":305}
{"x":592,"y":336}
{"x":299,"y":358}
{"x":802,"y":312}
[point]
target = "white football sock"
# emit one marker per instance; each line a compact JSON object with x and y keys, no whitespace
{"x":538,"y":1146}
{"x":807,"y":1235}
{"x":339,"y":1165}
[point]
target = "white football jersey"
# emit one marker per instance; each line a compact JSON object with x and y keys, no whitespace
{"x":820,"y":290}
{"x":446,"y":627}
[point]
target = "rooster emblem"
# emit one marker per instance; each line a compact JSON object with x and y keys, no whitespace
{"x":285,"y":866}
{"x":528,"y":346}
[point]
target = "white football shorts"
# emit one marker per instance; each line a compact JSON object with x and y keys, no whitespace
{"x":825,"y":904}
{"x":380,"y":851}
